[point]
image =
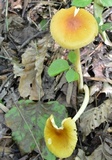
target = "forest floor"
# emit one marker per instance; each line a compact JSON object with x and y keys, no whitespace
{"x":25,"y":34}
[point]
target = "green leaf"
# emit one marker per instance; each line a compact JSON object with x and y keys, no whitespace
{"x":71,"y":76}
{"x":98,"y":9}
{"x":1,"y":101}
{"x":81,"y":3}
{"x":58,"y":66}
{"x":43,"y":24}
{"x":49,"y":155}
{"x":29,"y":119}
{"x":106,"y":26}
{"x":72,"y":57}
{"x":106,"y":3}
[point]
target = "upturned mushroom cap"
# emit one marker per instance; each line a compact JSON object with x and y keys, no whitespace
{"x":72,"y":28}
{"x":60,"y":141}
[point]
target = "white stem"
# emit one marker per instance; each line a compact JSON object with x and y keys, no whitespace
{"x":84,"y":104}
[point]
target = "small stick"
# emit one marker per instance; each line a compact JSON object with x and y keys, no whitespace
{"x":29,"y":39}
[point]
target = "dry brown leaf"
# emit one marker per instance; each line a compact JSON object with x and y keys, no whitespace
{"x":95,"y":88}
{"x":30,"y":76}
{"x":80,"y":155}
{"x":16,"y":4}
{"x":107,"y":89}
{"x":96,"y":155}
{"x":98,"y":67}
{"x":3,"y":108}
{"x":95,"y":116}
{"x":98,"y":70}
{"x":1,"y":4}
{"x":103,"y":152}
{"x":107,"y":148}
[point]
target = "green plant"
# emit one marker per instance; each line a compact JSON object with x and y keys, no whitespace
{"x":60,"y":65}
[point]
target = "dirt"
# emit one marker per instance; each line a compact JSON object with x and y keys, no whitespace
{"x":21,"y":25}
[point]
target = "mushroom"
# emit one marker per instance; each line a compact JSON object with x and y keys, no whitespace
{"x":60,"y":141}
{"x":74,"y":28}
{"x":71,"y":28}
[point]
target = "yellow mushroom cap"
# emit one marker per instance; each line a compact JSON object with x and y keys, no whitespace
{"x":60,"y":141}
{"x":73,"y":28}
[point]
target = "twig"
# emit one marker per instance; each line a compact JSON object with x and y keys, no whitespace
{"x":3,"y":108}
{"x":1,"y":87}
{"x":29,"y":39}
{"x":99,"y":79}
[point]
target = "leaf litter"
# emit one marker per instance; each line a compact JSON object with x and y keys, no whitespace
{"x":25,"y":55}
{"x":95,"y":116}
{"x":30,"y":77}
{"x":27,"y":121}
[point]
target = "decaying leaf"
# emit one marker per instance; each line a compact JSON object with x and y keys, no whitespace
{"x":107,"y":89}
{"x":96,"y":155}
{"x":95,"y":116}
{"x":1,"y":40}
{"x":30,"y":71}
{"x":98,"y":66}
{"x":28,"y":119}
{"x":107,"y":148}
{"x":103,"y":152}
{"x":95,"y":88}
{"x":16,"y":4}
{"x":1,"y":5}
{"x":80,"y":155}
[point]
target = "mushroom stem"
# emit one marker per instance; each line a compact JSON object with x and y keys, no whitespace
{"x":78,"y":68}
{"x":84,"y":104}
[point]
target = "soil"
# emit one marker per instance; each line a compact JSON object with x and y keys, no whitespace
{"x":25,"y":23}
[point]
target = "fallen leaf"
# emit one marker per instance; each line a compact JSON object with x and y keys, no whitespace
{"x":95,"y":88}
{"x":3,"y":108}
{"x":80,"y":155}
{"x":30,"y":71}
{"x":98,"y":66}
{"x":98,"y":70}
{"x":95,"y":116}
{"x":3,"y":131}
{"x":107,"y":148}
{"x":1,"y":5}
{"x":1,"y":40}
{"x":97,"y":154}
{"x":16,"y":4}
{"x":107,"y":89}
{"x":27,"y":122}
